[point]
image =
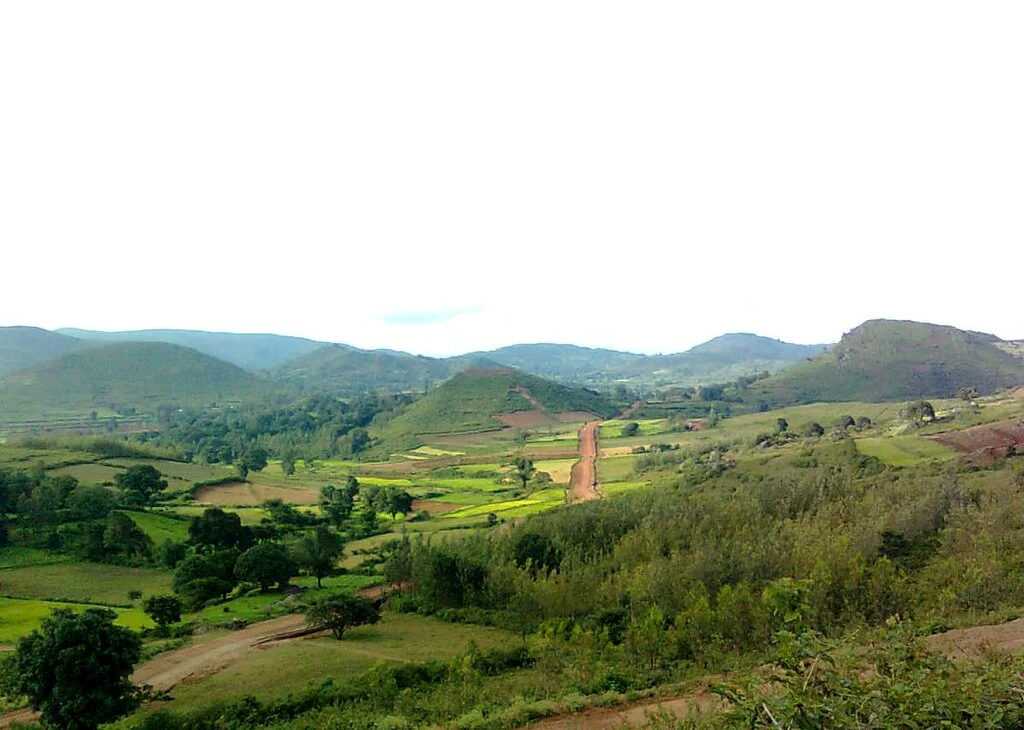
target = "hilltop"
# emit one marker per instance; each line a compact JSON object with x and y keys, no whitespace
{"x":22,"y":347}
{"x":123,"y":376}
{"x":251,"y":352}
{"x":884,"y":360}
{"x":484,"y":399}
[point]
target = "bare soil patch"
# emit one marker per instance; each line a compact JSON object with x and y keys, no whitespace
{"x":525,"y":419}
{"x":241,"y":494}
{"x":636,"y":715}
{"x":434,"y":508}
{"x":977,"y":641}
{"x":986,"y":443}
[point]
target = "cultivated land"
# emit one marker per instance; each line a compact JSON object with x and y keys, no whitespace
{"x":906,"y":507}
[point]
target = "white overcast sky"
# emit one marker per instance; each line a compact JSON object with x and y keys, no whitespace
{"x":442,"y":177}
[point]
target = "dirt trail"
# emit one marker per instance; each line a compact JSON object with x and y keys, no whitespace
{"x":977,"y":641}
{"x":583,"y":478}
{"x":602,"y":718}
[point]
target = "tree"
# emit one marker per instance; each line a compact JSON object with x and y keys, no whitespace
{"x":397,"y":501}
{"x":341,"y":612}
{"x":218,"y":529}
{"x":254,"y":459}
{"x":141,"y":482}
{"x":164,"y":610}
{"x":631,"y":429}
{"x":266,"y":564}
{"x":200,"y":578}
{"x":845,"y":422}
{"x":318,"y":552}
{"x":967,"y":393}
{"x":781,"y":425}
{"x":75,"y":669}
{"x":524,"y":469}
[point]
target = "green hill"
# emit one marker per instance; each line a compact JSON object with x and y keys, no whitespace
{"x":565,"y":362}
{"x":122,"y":376}
{"x":471,"y":401}
{"x":884,"y":360}
{"x":251,"y":352}
{"x":347,"y":371}
{"x":22,"y":347}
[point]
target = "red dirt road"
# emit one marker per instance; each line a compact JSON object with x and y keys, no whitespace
{"x":583,"y":478}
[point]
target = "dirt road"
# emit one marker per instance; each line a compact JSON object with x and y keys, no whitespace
{"x":583,"y":478}
{"x":606,"y":718}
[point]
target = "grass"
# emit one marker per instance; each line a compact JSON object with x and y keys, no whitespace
{"x":903,"y":450}
{"x":18,"y":557}
{"x":262,"y":606}
{"x":648,"y":427}
{"x":615,"y":468}
{"x":540,"y":501}
{"x":611,"y":490}
{"x":89,"y":473}
{"x":160,"y":527}
{"x":286,"y":668}
{"x":83,"y":583}
{"x":249,"y":515}
{"x":559,"y":469}
{"x":21,"y":617}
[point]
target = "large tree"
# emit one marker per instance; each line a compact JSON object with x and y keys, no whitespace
{"x":75,"y":669}
{"x":318,"y":552}
{"x":342,"y":612}
{"x":266,"y":564}
{"x":524,"y":469}
{"x":141,"y":482}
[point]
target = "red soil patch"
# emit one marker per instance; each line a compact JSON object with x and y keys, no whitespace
{"x":241,"y":494}
{"x":583,"y":477}
{"x":986,"y":443}
{"x":525,"y":419}
{"x":434,"y":508}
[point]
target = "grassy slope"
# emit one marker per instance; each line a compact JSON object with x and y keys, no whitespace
{"x":883,"y":360}
{"x":470,"y":399}
{"x":22,"y":347}
{"x":140,"y":375}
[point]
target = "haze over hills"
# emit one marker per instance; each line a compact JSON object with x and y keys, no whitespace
{"x":21,"y":347}
{"x":122,"y":376}
{"x":885,"y":360}
{"x":252,"y":352}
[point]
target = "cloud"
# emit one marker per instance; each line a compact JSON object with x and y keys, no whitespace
{"x":414,"y":318}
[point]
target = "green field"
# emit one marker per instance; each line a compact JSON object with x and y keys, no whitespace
{"x":20,"y":616}
{"x":539,"y":501}
{"x":903,"y":450}
{"x":290,"y":667}
{"x":13,"y":556}
{"x":160,"y":527}
{"x":89,"y":473}
{"x":83,"y":583}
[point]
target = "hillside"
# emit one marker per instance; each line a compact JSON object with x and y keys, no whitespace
{"x":884,"y":360}
{"x":122,"y":376}
{"x":725,"y":358}
{"x":22,"y":347}
{"x":475,"y":400}
{"x":347,"y":371}
{"x":247,"y":351}
{"x":565,"y":362}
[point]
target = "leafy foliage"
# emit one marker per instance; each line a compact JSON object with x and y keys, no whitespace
{"x":341,"y":612}
{"x":75,"y":669}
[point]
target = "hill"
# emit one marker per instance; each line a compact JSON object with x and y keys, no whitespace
{"x":251,"y":352}
{"x":885,"y":360}
{"x":725,"y":358}
{"x":564,"y":362}
{"x":347,"y":371}
{"x":123,"y":376}
{"x":721,"y":359}
{"x":22,"y":347}
{"x":476,"y":400}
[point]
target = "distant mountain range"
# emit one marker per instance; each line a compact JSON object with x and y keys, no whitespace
{"x":347,"y":370}
{"x":46,"y":373}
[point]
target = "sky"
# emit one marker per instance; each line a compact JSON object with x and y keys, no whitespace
{"x":452,"y":176}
